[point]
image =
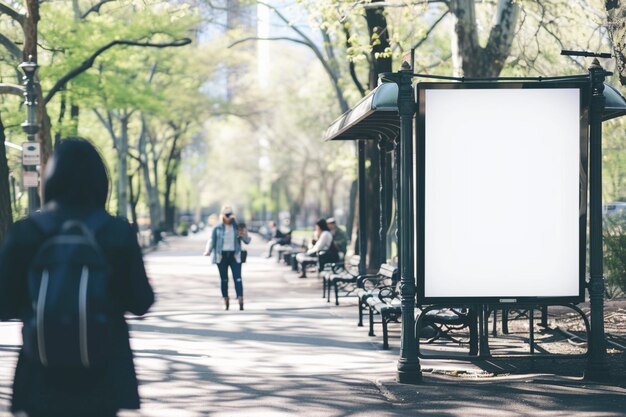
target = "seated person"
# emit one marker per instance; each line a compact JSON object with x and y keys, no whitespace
{"x":339,"y":236}
{"x":324,"y":242}
{"x":278,"y":238}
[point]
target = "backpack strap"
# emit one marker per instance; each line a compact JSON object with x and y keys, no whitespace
{"x":49,"y":222}
{"x":96,"y":220}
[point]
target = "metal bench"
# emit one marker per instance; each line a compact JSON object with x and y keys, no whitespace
{"x":444,"y":320}
{"x":379,"y":294}
{"x":369,"y":285}
{"x":344,"y":285}
{"x":333,"y":272}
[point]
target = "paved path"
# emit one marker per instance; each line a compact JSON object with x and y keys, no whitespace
{"x":291,"y":354}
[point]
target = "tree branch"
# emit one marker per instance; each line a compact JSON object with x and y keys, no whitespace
{"x":401,"y":4}
{"x":12,"y":13}
{"x":11,"y":47}
{"x":212,"y":6}
{"x":343,"y":104}
{"x":135,"y":157}
{"x":430,"y":30}
{"x":351,"y":65}
{"x":108,"y":124}
{"x":14,"y":89}
{"x":277,"y":38}
{"x":95,"y":8}
{"x":88,"y":63}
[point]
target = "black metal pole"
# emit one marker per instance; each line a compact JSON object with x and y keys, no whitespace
{"x":396,"y":194}
{"x":596,"y":364}
{"x":13,"y":193}
{"x":382,"y":164}
{"x":362,"y":209}
{"x":30,"y":126}
{"x":409,"y":370}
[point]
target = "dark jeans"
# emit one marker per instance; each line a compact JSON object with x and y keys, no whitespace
{"x":228,"y":260}
{"x":90,"y":414}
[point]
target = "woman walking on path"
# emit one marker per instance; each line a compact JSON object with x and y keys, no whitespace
{"x":51,"y":378}
{"x":225,"y":245}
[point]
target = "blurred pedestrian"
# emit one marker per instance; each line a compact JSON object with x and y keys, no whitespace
{"x":339,"y":236}
{"x":225,"y":245}
{"x":278,"y":238}
{"x":52,"y":378}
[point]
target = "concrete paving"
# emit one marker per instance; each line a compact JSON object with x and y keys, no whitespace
{"x":291,"y":354}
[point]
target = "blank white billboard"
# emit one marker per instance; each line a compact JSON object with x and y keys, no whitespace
{"x":502,"y":171}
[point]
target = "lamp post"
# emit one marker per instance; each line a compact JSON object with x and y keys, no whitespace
{"x":409,"y":369}
{"x":30,"y":126}
{"x":596,"y":365}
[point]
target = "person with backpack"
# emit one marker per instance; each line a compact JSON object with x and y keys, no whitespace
{"x":70,"y":273}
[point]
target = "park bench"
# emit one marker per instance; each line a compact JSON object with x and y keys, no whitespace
{"x":285,"y":249}
{"x":323,"y":261}
{"x":369,"y":285}
{"x":379,"y":294}
{"x":338,"y":273}
{"x":444,"y":321}
{"x":287,"y":252}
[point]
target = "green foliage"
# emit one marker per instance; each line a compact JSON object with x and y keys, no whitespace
{"x":615,"y":252}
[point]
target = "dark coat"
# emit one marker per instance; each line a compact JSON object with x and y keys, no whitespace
{"x":36,"y":388}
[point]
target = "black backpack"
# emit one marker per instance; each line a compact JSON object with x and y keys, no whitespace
{"x":69,"y":285}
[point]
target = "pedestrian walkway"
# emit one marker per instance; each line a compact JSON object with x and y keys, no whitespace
{"x":292,"y":354}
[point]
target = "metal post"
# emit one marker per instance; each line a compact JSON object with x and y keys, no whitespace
{"x":362,"y":209}
{"x":382,"y":164}
{"x":396,"y":193}
{"x":30,"y":126}
{"x":596,"y":364}
{"x":13,"y":193}
{"x":409,"y":370}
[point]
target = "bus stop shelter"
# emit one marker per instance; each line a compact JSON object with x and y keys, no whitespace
{"x":382,"y":116}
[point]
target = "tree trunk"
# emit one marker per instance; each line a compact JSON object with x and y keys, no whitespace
{"x":616,"y":10}
{"x":151,"y":188}
{"x":122,"y":168}
{"x":6,"y":215}
{"x":30,"y":30}
{"x":134,"y":199}
{"x":468,"y":57}
{"x":381,"y":62}
{"x":170,"y":208}
{"x":62,"y":107}
{"x":350,"y":221}
{"x":74,"y":117}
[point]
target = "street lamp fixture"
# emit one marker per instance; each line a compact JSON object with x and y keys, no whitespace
{"x":30,"y":126}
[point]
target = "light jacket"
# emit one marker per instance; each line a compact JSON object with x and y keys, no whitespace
{"x":323,"y":243}
{"x":216,"y":243}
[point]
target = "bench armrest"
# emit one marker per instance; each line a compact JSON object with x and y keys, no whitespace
{"x":387,"y":293}
{"x":360,"y":279}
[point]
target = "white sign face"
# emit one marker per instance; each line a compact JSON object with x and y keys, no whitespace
{"x":502,"y":172}
{"x":30,"y":179}
{"x":31,"y":154}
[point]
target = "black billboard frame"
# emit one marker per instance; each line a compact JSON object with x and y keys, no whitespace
{"x":583,"y":85}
